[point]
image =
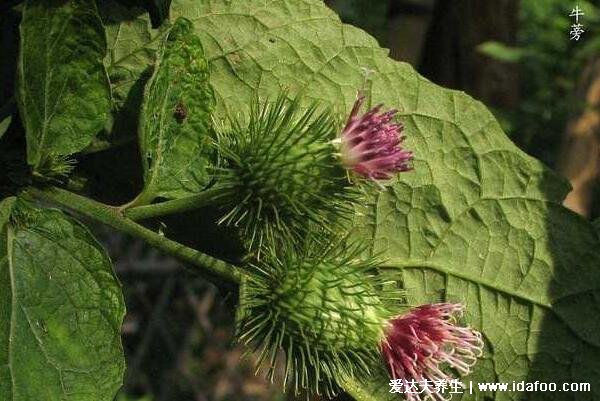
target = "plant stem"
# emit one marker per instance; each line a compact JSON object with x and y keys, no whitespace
{"x":101,"y":145}
{"x":205,"y":198}
{"x":354,"y":389}
{"x":217,"y":270}
{"x":143,"y":198}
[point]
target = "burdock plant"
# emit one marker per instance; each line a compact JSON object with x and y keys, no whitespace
{"x":284,"y":167}
{"x":283,"y":171}
{"x":318,"y":306}
{"x":308,"y":297}
{"x":279,"y":172}
{"x":371,"y":144}
{"x":328,"y":313}
{"x":423,"y":344}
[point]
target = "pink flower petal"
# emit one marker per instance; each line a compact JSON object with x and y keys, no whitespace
{"x":419,"y":343}
{"x":371,"y":143}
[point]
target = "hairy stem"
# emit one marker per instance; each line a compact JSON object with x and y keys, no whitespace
{"x":208,"y":197}
{"x":215,"y":269}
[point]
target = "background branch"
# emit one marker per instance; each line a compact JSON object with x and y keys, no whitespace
{"x":579,"y":158}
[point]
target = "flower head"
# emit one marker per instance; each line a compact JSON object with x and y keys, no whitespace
{"x":281,"y":172}
{"x":420,"y":343}
{"x":371,"y":144}
{"x":318,"y":307}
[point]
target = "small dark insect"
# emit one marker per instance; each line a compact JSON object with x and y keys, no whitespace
{"x":271,"y":40}
{"x":180,"y":113}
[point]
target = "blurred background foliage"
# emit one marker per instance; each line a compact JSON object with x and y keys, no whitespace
{"x":513,"y":55}
{"x":516,"y":56}
{"x":550,"y":69}
{"x":528,"y":41}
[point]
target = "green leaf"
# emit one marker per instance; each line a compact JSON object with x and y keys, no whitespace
{"x":372,"y":388}
{"x":63,"y":92}
{"x":132,"y":45}
{"x":175,"y":126}
{"x":478,"y":221}
{"x":61,"y":309}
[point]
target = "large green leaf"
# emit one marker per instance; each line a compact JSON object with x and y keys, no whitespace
{"x":478,"y":221}
{"x":63,"y":91}
{"x":175,"y":138}
{"x":5,"y":300}
{"x":61,"y":310}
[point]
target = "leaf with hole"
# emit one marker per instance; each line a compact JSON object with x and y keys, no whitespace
{"x":175,"y":123}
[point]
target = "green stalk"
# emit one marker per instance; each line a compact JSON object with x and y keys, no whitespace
{"x":215,"y":269}
{"x":354,"y":388}
{"x":205,"y":198}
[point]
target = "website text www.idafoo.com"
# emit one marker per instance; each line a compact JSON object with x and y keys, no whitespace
{"x":531,"y":387}
{"x":455,"y":386}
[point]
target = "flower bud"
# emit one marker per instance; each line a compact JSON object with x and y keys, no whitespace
{"x":371,"y":144}
{"x":281,"y":172}
{"x":320,"y":309}
{"x":420,"y":344}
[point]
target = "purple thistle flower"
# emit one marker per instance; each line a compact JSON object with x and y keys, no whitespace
{"x":419,"y":342}
{"x":371,"y":143}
